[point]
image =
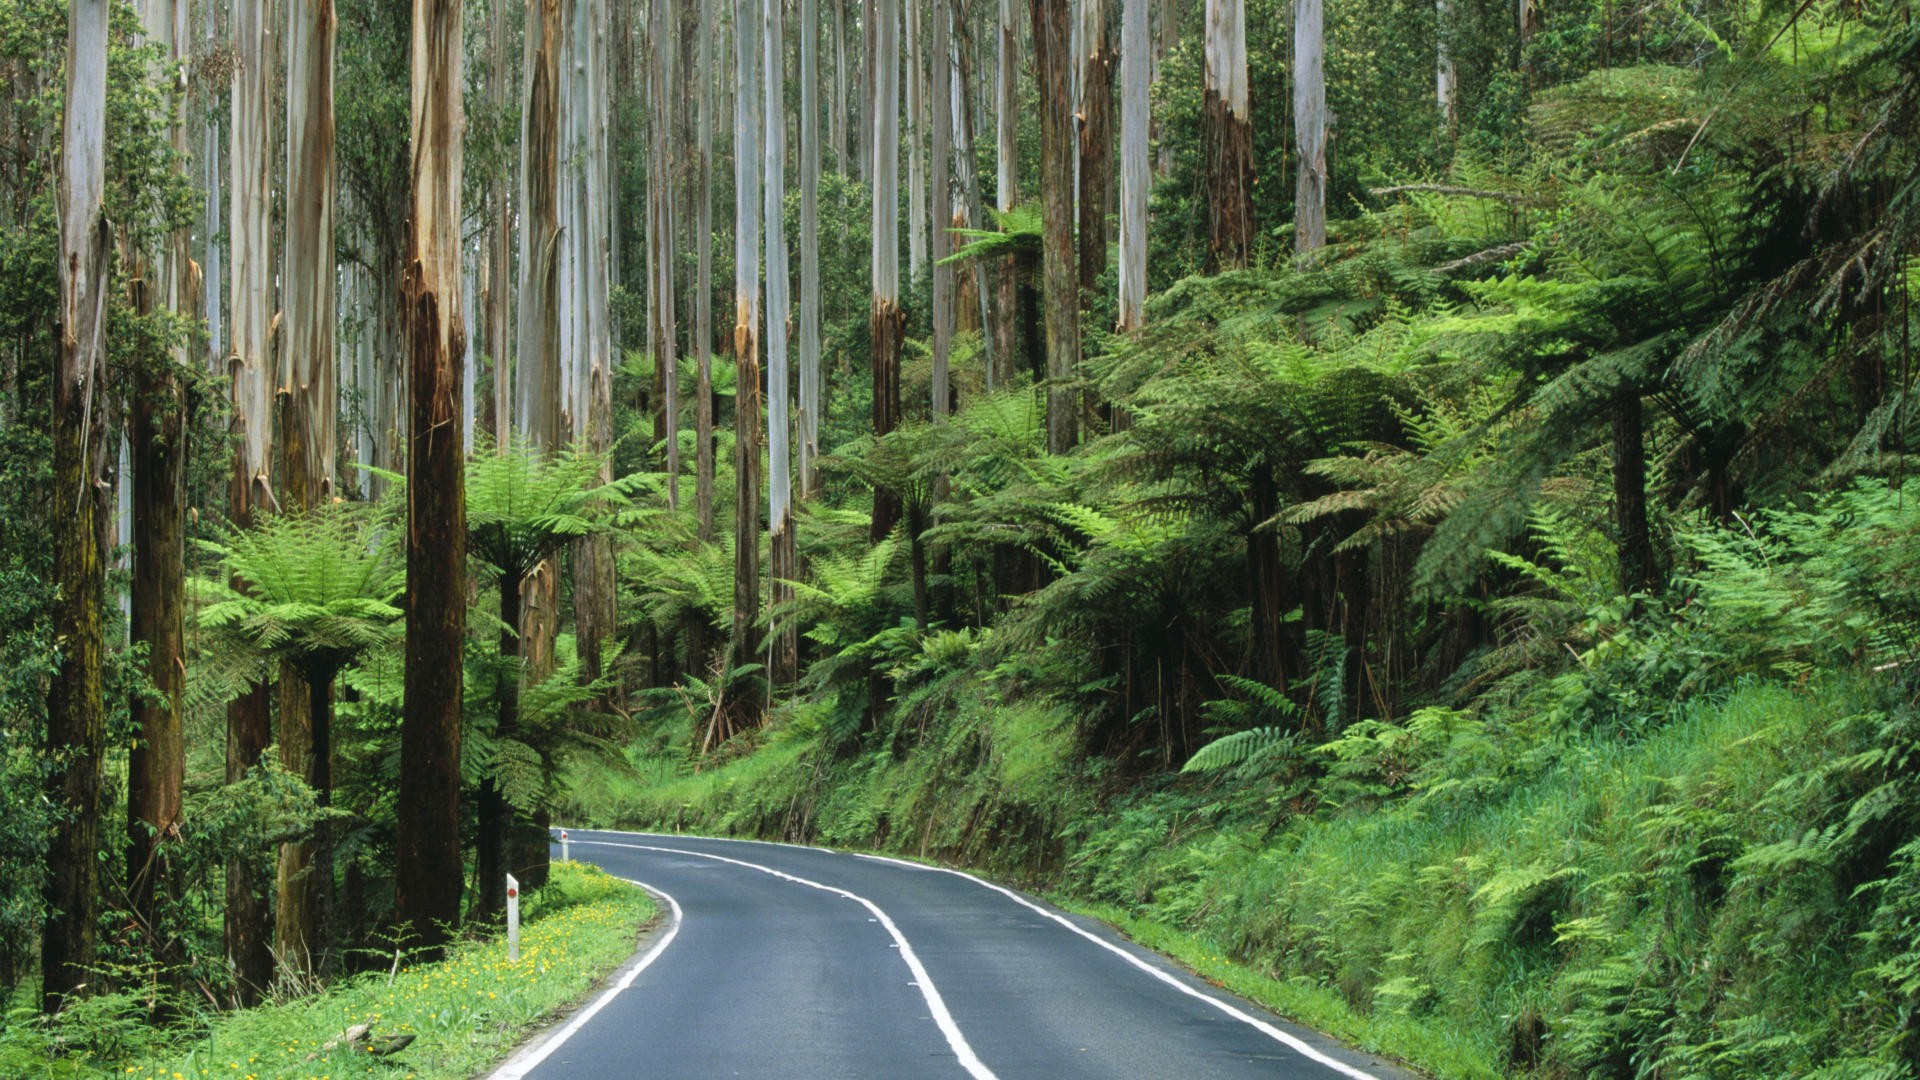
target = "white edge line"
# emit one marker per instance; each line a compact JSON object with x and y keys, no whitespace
{"x":1292,"y":1042}
{"x":524,"y":1062}
{"x":922,"y":981}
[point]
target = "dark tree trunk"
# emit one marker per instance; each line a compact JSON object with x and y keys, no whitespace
{"x":888,"y":325}
{"x":1630,"y":492}
{"x":1096,"y":160}
{"x":1267,"y":584}
{"x":428,"y":871}
{"x":76,"y":714}
{"x":76,"y":721}
{"x":156,"y":763}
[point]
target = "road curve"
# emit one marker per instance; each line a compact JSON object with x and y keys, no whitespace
{"x":807,"y":964}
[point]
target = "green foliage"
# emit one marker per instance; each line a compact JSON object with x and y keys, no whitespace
{"x":319,"y":588}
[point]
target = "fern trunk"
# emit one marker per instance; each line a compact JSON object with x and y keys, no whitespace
{"x":1630,"y":492}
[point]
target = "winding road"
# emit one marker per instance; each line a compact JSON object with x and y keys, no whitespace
{"x":802,"y":963}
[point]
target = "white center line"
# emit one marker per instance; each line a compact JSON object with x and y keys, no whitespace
{"x":921,"y":980}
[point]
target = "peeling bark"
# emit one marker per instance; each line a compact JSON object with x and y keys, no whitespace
{"x":427,"y":877}
{"x":76,"y":714}
{"x":745,"y":645}
{"x":1229,"y":137}
{"x":886,"y":321}
{"x":784,"y":659}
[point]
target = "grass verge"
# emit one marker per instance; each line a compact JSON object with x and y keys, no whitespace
{"x":465,"y":1013}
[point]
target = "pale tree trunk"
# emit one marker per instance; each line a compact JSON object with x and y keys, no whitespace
{"x":745,"y":645}
{"x":940,"y":80}
{"x":1136,"y":179}
{"x":837,"y":118}
{"x":250,"y":308}
{"x":157,"y":418}
{"x":592,"y":408}
{"x":869,"y":26}
{"x":1310,"y":127}
{"x":965,"y":109}
{"x":1166,"y":37}
{"x":76,"y":714}
{"x":1445,"y":79}
{"x":703,"y":290}
{"x":1005,"y":329}
{"x":1053,"y":59}
{"x":1096,"y":60}
{"x":915,"y":125}
{"x":660,"y":198}
{"x":810,"y":247}
{"x":781,"y":571}
{"x":309,"y":403}
{"x":1229,"y":127}
{"x":428,"y":871}
{"x":499,"y":296}
{"x":886,"y":321}
{"x":537,"y":387}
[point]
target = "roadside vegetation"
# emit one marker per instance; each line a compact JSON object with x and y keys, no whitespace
{"x":442,"y":1020}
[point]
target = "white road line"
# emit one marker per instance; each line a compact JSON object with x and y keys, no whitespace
{"x":922,"y":981}
{"x":1291,"y":1042}
{"x":524,"y":1062}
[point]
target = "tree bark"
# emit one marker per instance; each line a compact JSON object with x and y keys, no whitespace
{"x":499,"y":296}
{"x":940,"y":80}
{"x":1052,"y":56}
{"x":1136,"y":177}
{"x":1229,"y":131}
{"x":1310,"y":127}
{"x":537,"y":389}
{"x":660,"y":189}
{"x":785,"y":653}
{"x":1006,"y":327}
{"x":810,"y":247}
{"x":76,"y":715}
{"x":156,"y":760}
{"x":914,"y":123}
{"x":591,"y":404}
{"x":1446,"y":81}
{"x":745,"y":647}
{"x":1630,"y":492}
{"x":427,"y":876}
{"x":703,"y":290}
{"x":1097,"y":60}
{"x":886,"y":322}
{"x":308,"y":406}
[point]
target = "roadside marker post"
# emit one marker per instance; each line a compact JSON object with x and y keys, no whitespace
{"x":564,"y":857}
{"x":513,"y":920}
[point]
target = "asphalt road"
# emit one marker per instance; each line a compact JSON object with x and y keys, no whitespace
{"x":806,"y":964}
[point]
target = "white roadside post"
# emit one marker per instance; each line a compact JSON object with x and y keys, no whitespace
{"x":564,"y":857}
{"x":513,"y":920}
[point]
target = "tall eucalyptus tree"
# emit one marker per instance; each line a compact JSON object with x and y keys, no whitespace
{"x":1006,"y":129}
{"x":1095,"y":111}
{"x":940,"y":81}
{"x":76,"y":714}
{"x":157,"y":422}
{"x":809,"y":326}
{"x":1136,"y":178}
{"x":1229,"y":128}
{"x":1053,"y":58}
{"x":782,"y":569}
{"x":428,"y":871}
{"x":703,"y":284}
{"x":745,"y":647}
{"x":1310,"y":126}
{"x":886,"y":321}
{"x":308,"y":398}
{"x":250,"y":308}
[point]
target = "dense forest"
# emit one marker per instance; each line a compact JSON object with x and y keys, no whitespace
{"x":1413,"y":496}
